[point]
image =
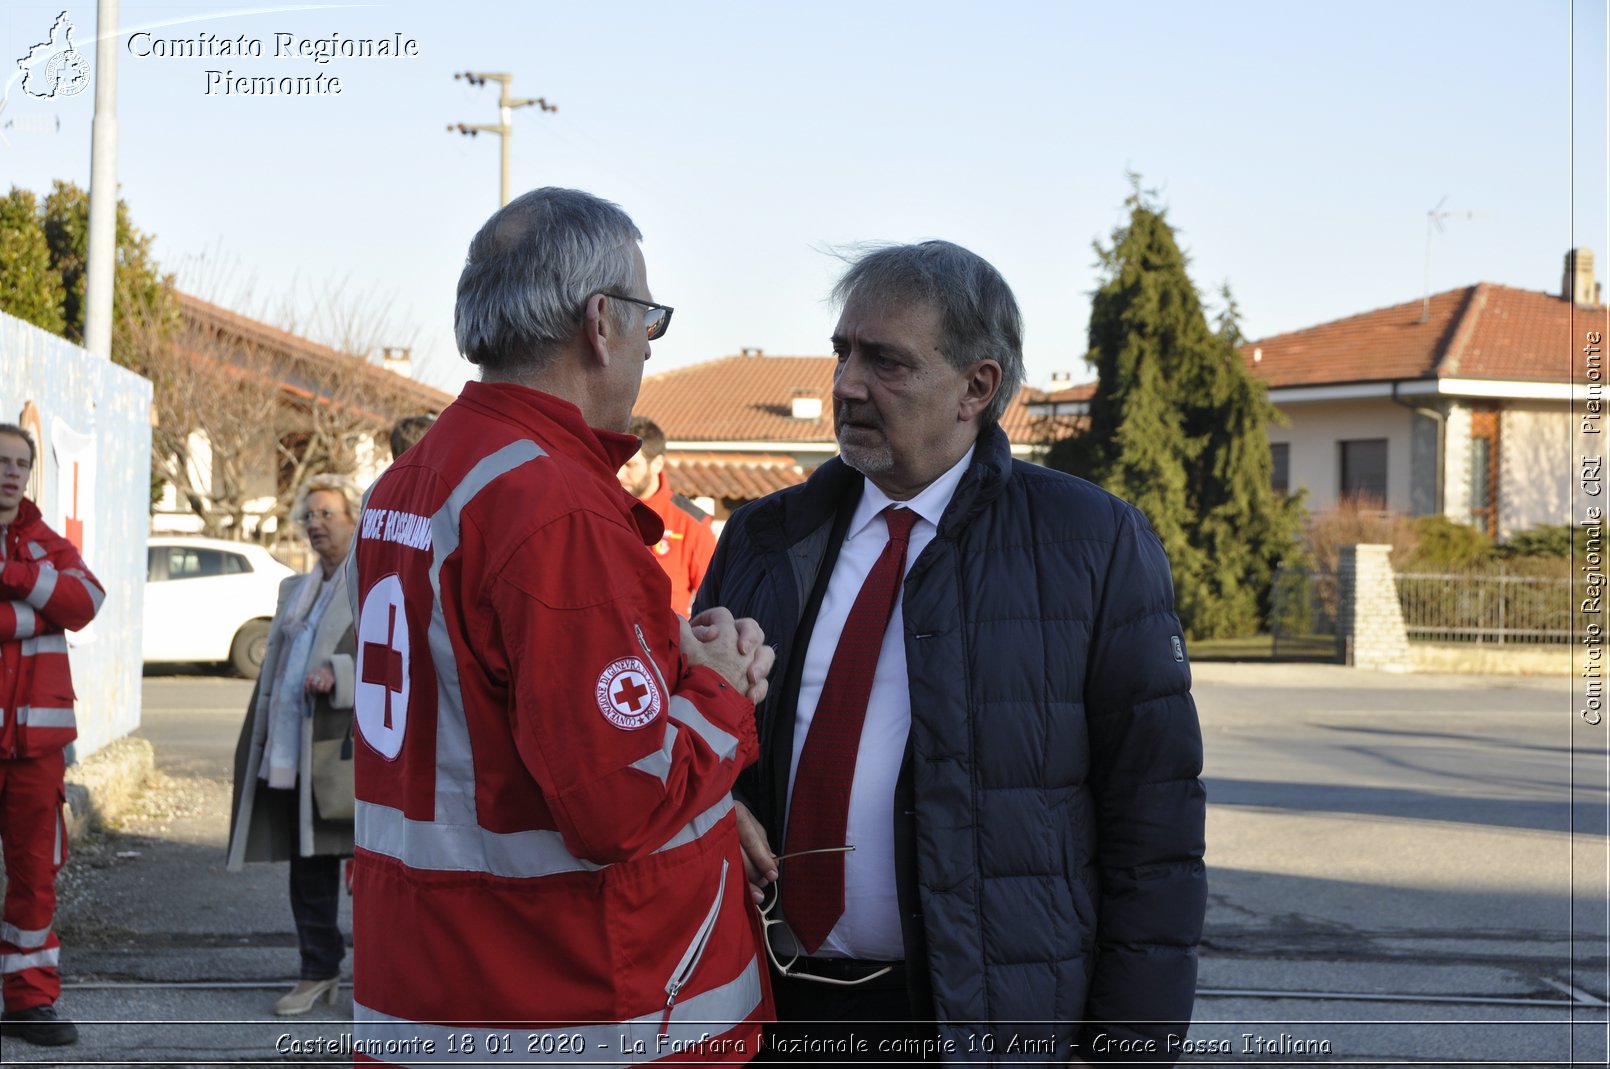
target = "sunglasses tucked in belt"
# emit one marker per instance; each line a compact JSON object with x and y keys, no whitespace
{"x":791,"y":968}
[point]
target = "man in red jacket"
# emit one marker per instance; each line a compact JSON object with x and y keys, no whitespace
{"x":685,"y":549}
{"x":547,"y":864}
{"x":45,"y":590}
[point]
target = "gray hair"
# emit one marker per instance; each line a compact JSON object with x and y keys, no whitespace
{"x":530,"y":271}
{"x":979,"y":318}
{"x":329,"y":481}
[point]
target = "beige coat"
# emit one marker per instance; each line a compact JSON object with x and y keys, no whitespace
{"x":254,"y":833}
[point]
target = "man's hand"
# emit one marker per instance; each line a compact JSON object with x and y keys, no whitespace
{"x":734,"y":648}
{"x":321,"y":680}
{"x":760,"y":864}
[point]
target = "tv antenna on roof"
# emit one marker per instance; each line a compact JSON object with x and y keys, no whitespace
{"x":1434,"y":218}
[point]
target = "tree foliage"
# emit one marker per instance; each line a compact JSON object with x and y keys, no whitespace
{"x":139,"y":288}
{"x":30,"y":288}
{"x":1177,"y":427}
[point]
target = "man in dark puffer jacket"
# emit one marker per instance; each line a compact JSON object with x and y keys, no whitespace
{"x":1026,"y":818}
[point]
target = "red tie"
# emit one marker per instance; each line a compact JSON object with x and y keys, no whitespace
{"x":813,"y":893}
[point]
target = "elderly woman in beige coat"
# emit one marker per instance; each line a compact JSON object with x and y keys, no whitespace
{"x":293,"y":764}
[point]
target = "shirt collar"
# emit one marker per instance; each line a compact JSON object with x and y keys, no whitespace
{"x":929,"y":505}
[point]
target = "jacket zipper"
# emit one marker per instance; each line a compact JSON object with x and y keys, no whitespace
{"x":654,"y":666}
{"x":690,"y":957}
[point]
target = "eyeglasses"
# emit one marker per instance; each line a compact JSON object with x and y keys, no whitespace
{"x":656,"y":321}
{"x":767,"y":921}
{"x":305,"y":518}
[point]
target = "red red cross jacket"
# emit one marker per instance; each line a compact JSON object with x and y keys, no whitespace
{"x":45,"y":590}
{"x":547,"y":862}
{"x":685,"y":549}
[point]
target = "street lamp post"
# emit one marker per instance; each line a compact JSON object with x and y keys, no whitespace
{"x":505,"y":126}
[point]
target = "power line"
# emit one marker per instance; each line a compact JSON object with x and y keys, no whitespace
{"x":505,"y":126}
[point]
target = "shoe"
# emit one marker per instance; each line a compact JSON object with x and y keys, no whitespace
{"x":306,"y":994}
{"x":40,"y":1026}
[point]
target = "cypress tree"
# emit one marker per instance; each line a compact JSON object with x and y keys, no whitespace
{"x":1176,"y":427}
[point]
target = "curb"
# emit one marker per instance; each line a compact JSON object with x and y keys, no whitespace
{"x":101,"y":787}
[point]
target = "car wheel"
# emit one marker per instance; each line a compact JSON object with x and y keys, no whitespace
{"x":249,"y":648}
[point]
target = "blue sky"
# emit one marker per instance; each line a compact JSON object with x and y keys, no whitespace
{"x":1297,"y":148}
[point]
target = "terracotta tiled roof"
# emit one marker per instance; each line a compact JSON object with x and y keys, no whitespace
{"x":741,"y":399}
{"x":731,"y":476}
{"x":207,"y":316}
{"x":1518,"y":334}
{"x":1483,"y":331}
{"x":750,"y":399}
{"x":1084,"y":391}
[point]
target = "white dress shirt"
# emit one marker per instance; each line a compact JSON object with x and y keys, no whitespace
{"x":870,"y":927}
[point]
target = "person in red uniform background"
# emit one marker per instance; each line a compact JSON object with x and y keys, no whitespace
{"x":45,"y":590}
{"x":685,"y":550}
{"x":547,"y":851}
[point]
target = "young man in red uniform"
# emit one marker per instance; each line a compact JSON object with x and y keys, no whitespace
{"x":547,"y":863}
{"x":685,"y":549}
{"x":45,"y":590}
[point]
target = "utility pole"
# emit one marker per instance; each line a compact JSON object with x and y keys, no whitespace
{"x":102,"y":250}
{"x":1434,"y":218}
{"x":505,"y":127}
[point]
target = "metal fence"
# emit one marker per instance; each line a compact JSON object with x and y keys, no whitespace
{"x":1303,"y":613}
{"x":1484,"y":607}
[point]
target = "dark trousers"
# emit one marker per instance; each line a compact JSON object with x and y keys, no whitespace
{"x":316,"y":904}
{"x":315,"y":889}
{"x":827,"y":1025}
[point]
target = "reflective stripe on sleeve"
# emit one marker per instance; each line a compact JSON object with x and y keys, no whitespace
{"x":52,"y":643}
{"x":27,"y":619}
{"x":422,"y":844}
{"x":36,"y":550}
{"x":96,"y":594}
{"x":39,"y":959}
{"x":23,"y":938}
{"x":44,"y":587}
{"x":687,"y":714}
{"x":707,"y":1015}
{"x":39,"y":717}
{"x":658,"y":763}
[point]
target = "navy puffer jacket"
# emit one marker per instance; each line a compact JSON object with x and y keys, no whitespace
{"x":1054,"y":756}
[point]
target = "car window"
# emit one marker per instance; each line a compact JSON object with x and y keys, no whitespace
{"x":153,"y":554}
{"x":188,"y":562}
{"x":235,"y":564}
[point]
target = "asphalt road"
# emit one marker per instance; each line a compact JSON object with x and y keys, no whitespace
{"x":1403,"y":868}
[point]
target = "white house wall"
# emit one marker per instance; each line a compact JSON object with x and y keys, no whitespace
{"x":1315,"y":456}
{"x":1535,"y":467}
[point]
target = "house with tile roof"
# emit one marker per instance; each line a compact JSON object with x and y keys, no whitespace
{"x":740,"y":427}
{"x":304,"y":376}
{"x":1460,"y":403}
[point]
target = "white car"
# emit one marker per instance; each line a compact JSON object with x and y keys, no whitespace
{"x":209,"y":600}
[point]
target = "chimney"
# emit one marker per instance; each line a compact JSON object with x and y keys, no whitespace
{"x":1578,"y":285}
{"x":398,"y":360}
{"x":750,"y":350}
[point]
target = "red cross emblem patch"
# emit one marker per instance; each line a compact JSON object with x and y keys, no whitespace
{"x":627,"y":694}
{"x":380,"y":699}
